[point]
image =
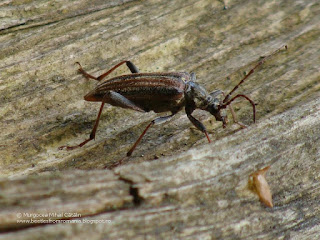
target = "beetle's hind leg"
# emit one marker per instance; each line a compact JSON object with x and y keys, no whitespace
{"x":84,"y":73}
{"x":116,"y":98}
{"x":92,"y":134}
{"x":129,"y":64}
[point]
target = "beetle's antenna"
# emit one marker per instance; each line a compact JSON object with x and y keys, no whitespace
{"x":263,"y":59}
{"x":244,"y":96}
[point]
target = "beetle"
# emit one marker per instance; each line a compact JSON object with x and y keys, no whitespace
{"x":161,"y":92}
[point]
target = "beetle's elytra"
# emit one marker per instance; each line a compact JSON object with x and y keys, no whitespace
{"x":161,"y":92}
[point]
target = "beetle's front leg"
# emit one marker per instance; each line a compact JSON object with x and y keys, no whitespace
{"x":199,"y":125}
{"x":235,"y":118}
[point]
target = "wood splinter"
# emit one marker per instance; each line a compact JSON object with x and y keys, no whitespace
{"x":259,"y":184}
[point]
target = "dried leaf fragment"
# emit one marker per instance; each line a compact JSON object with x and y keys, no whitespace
{"x":259,"y":184}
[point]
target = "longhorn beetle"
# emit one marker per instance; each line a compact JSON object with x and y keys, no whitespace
{"x":161,"y":92}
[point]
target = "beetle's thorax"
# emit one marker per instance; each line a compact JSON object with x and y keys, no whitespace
{"x":199,"y":97}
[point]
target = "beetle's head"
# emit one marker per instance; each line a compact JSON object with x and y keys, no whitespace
{"x":219,"y":114}
{"x":208,"y":102}
{"x":214,"y":108}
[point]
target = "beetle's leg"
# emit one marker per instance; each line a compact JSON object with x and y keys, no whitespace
{"x":199,"y":125}
{"x":156,"y":121}
{"x":84,"y":73}
{"x":189,"y":109}
{"x":130,"y":65}
{"x":234,"y":117}
{"x":122,"y":101}
{"x":92,"y":134}
{"x":133,"y":68}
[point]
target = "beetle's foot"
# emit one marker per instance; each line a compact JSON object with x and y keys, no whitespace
{"x":84,"y":73}
{"x":242,"y":126}
{"x":80,"y":70}
{"x":118,"y":163}
{"x":80,"y":67}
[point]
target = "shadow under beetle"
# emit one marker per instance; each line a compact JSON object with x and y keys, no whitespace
{"x":161,"y":92}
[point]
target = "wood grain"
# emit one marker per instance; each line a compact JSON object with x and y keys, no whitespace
{"x":175,"y":185}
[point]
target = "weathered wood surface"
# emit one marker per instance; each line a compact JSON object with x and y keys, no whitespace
{"x":194,"y":189}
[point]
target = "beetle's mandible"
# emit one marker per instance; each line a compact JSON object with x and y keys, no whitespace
{"x":161,"y":92}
